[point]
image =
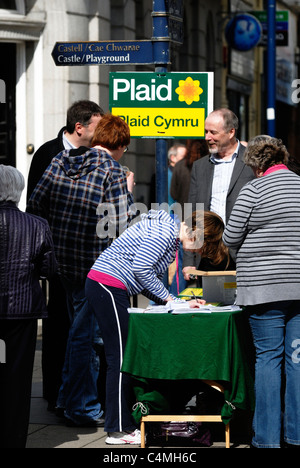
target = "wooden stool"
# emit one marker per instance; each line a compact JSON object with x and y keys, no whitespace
{"x":186,"y":418}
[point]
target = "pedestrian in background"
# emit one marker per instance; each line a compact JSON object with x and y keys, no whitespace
{"x":175,"y":154}
{"x":26,"y":256}
{"x":264,"y":230}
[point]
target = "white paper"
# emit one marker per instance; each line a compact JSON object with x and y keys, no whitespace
{"x":183,"y":308}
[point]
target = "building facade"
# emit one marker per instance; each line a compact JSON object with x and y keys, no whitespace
{"x":35,"y":93}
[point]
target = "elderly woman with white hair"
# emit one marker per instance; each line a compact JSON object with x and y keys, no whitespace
{"x":26,"y":255}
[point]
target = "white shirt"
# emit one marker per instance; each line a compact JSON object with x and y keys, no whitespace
{"x":222,"y":176}
{"x":67,"y":144}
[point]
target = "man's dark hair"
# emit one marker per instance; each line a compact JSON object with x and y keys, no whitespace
{"x":82,"y":112}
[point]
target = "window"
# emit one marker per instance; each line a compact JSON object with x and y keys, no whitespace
{"x":12,"y":7}
{"x":8,"y":5}
{"x":210,"y":43}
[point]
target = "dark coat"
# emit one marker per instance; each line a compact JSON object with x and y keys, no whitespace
{"x":41,"y":160}
{"x":26,"y":255}
{"x":202,"y":178}
{"x":201,"y":187}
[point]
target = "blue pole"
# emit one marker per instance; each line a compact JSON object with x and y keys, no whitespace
{"x":161,"y":59}
{"x":161,"y":52}
{"x":271,"y":73}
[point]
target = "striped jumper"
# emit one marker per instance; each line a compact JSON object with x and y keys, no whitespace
{"x":264,"y":230}
{"x":142,"y":254}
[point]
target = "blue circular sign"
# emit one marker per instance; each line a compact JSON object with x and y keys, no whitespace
{"x":243,"y":32}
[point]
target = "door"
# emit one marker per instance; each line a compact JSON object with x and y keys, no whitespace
{"x":8,"y":105}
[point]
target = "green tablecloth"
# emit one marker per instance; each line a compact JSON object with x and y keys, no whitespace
{"x":202,"y":346}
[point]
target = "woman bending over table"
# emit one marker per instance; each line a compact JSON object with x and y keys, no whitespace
{"x":135,"y":263}
{"x":264,"y":228}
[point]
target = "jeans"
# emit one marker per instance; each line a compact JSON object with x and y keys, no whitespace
{"x":78,"y":393}
{"x":110,"y":306}
{"x":276,"y":333}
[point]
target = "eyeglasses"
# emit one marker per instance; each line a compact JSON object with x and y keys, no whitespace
{"x":126,"y":149}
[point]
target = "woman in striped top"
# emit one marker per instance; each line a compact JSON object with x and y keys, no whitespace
{"x":135,"y":263}
{"x":264,"y":230}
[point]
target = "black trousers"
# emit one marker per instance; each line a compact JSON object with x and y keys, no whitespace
{"x":19,"y":337}
{"x":55,"y":337}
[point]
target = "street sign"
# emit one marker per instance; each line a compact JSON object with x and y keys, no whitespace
{"x":175,"y":8}
{"x":168,"y":19}
{"x":282,"y":26}
{"x":175,"y":30}
{"x":243,"y":32}
{"x":168,"y":105}
{"x":103,"y":53}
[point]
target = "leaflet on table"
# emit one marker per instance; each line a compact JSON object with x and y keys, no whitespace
{"x":191,"y":292}
{"x":180,"y":308}
{"x":208,"y":308}
{"x":161,"y":309}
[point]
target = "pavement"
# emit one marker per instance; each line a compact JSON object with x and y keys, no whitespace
{"x":46,"y":430}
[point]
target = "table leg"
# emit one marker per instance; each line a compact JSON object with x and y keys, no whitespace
{"x":227,"y":436}
{"x":143,"y":435}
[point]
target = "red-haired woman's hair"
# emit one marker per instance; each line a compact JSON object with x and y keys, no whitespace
{"x":112,"y":132}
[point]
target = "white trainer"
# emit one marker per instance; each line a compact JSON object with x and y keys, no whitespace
{"x":122,"y":438}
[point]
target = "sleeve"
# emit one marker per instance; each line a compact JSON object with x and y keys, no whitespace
{"x":151,"y":252}
{"x":238,"y":223}
{"x":46,"y":261}
{"x":174,"y":184}
{"x":121,"y":201}
{"x":193,"y":187}
{"x":39,"y":202}
{"x":189,"y":258}
{"x":41,"y":160}
{"x":35,"y":171}
{"x":153,"y":297}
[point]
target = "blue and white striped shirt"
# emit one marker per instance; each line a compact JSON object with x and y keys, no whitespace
{"x":142,"y":254}
{"x":221,"y":181}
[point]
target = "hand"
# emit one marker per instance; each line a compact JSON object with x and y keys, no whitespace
{"x":185,"y":274}
{"x":194,"y":304}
